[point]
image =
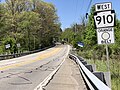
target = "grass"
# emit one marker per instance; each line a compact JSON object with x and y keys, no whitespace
{"x":101,"y":65}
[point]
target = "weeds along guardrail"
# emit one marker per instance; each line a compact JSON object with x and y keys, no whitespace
{"x":94,"y":80}
{"x":4,"y":57}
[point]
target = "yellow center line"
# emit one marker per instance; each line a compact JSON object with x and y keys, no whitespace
{"x":40,"y":57}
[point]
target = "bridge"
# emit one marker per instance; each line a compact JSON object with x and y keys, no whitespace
{"x":55,"y":68}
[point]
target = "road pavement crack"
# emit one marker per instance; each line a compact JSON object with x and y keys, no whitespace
{"x":20,"y":83}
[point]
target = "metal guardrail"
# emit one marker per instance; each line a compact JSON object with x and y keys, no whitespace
{"x":91,"y":80}
{"x":4,"y":57}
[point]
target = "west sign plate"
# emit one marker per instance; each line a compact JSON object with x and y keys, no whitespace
{"x":103,"y":6}
{"x":104,"y":19}
{"x":105,"y":35}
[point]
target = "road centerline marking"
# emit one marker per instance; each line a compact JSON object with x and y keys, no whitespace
{"x":40,"y":57}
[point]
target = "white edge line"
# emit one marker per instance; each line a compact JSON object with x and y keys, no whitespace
{"x":46,"y":80}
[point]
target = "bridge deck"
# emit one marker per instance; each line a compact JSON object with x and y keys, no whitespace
{"x":68,"y":77}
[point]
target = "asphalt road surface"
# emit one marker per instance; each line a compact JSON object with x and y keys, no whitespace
{"x":25,"y":73}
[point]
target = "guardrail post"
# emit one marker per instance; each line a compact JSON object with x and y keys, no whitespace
{"x":94,"y":80}
{"x":89,"y":67}
{"x":107,"y":78}
{"x":100,"y":75}
{"x":84,"y":62}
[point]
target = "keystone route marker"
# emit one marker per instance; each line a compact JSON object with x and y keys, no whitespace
{"x":104,"y":18}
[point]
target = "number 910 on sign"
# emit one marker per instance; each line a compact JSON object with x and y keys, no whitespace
{"x":104,"y":19}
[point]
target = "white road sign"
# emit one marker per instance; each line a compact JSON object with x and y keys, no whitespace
{"x":104,"y":19}
{"x":105,"y":35}
{"x":103,"y":6}
{"x":7,"y":46}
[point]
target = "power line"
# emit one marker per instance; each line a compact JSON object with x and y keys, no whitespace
{"x":82,"y":7}
{"x":89,"y":6}
{"x":76,"y":9}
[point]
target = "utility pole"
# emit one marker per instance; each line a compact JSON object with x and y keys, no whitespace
{"x":28,"y":39}
{"x":75,"y":30}
{"x":34,"y":42}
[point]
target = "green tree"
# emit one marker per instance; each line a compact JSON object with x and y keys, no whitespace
{"x":50,"y":23}
{"x":90,"y":33}
{"x":29,"y":22}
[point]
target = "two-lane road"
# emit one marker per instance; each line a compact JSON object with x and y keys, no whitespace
{"x":25,"y":73}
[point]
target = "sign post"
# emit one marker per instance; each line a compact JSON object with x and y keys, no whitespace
{"x":104,"y":18}
{"x":18,"y":46}
{"x":107,"y":53}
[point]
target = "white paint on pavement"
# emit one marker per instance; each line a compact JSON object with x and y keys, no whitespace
{"x":48,"y":78}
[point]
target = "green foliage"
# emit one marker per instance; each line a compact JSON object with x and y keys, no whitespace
{"x":68,"y":34}
{"x":74,"y":34}
{"x":86,"y":33}
{"x":114,"y":69}
{"x":12,"y":42}
{"x":97,"y":53}
{"x":29,"y":22}
{"x":90,"y":33}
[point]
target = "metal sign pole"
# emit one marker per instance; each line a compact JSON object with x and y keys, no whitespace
{"x":107,"y":55}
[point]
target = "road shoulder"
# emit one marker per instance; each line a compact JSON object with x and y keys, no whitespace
{"x":68,"y":77}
